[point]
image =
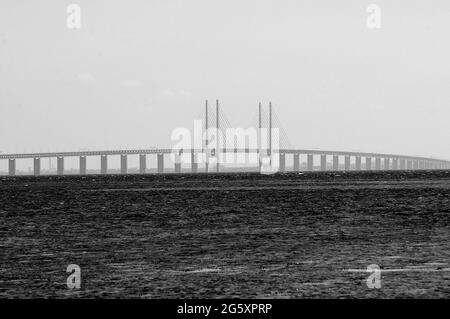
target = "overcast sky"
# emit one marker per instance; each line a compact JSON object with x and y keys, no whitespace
{"x":136,"y":70}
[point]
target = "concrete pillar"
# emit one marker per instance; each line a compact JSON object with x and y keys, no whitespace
{"x":395,"y":163}
{"x":335,"y":163}
{"x":194,"y":164}
{"x":12,"y":167}
{"x":282,"y":162}
{"x":386,"y":164}
{"x":415,"y":164}
{"x":123,"y":164}
{"x":103,"y":164}
{"x":296,"y":162}
{"x":378,"y":164}
{"x":83,"y":165}
{"x":409,"y":164}
{"x":347,"y":163}
{"x":177,"y":164}
{"x":37,"y":166}
{"x":358,"y":163}
{"x":310,"y":162}
{"x":60,"y":165}
{"x":323,"y":162}
{"x":160,"y":161}
{"x":142,"y":163}
{"x":368,"y":163}
{"x":402,"y":164}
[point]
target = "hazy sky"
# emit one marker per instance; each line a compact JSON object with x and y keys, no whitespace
{"x":136,"y":70}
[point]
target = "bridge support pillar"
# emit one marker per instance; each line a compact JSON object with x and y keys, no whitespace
{"x":358,"y":163}
{"x":296,"y":162}
{"x":386,"y":164}
{"x":282,"y":162}
{"x":37,"y":166}
{"x":378,"y":164}
{"x":395,"y":163}
{"x":142,"y":163}
{"x":368,"y":163}
{"x":310,"y":163}
{"x":402,"y":164}
{"x":421,"y":165}
{"x":335,"y":163}
{"x":347,"y":163}
{"x":323,"y":162}
{"x":177,"y":164}
{"x":60,"y":165}
{"x":82,"y":165}
{"x":12,"y":167}
{"x":123,"y":164}
{"x":103,"y":164}
{"x":160,"y":163}
{"x":415,"y":164}
{"x":194,"y":164}
{"x":409,"y":164}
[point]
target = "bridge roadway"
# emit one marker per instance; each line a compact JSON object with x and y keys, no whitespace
{"x":391,"y":161}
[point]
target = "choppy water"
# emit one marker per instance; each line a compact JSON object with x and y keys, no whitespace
{"x":228,"y":235}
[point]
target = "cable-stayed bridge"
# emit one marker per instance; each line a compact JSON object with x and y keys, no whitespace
{"x":213,"y":154}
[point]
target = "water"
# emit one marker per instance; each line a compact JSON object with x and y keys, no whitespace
{"x":227,"y":235}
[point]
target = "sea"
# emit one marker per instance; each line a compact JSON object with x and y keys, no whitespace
{"x":227,"y":235}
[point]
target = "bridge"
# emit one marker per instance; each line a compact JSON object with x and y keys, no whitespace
{"x":210,"y":154}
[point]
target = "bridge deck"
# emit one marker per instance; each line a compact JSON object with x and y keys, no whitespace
{"x":169,"y":151}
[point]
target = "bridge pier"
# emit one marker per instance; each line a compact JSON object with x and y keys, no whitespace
{"x":296,"y":162}
{"x":323,"y":162}
{"x":378,"y":164}
{"x":160,"y":163}
{"x":82,"y":165}
{"x":368,"y":163}
{"x":142,"y":163}
{"x":358,"y":163}
{"x":103,"y":164}
{"x":402,"y":164}
{"x":409,"y":164}
{"x":347,"y":163}
{"x":194,"y":164}
{"x":335,"y":163}
{"x":386,"y":163}
{"x":282,"y":162}
{"x":395,"y":163}
{"x":310,"y":163}
{"x":415,"y":164}
{"x":421,"y":165}
{"x":123,"y":164}
{"x":177,"y":164}
{"x":37,"y":166}
{"x":60,"y":165}
{"x":12,"y":167}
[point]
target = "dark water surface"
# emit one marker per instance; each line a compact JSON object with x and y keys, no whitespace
{"x":226,"y":235}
